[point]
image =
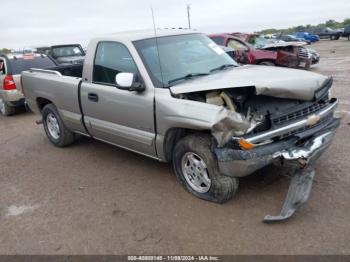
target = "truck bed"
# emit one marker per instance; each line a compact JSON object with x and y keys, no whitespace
{"x":60,"y":86}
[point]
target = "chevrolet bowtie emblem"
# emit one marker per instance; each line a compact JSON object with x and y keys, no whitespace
{"x":313,"y":120}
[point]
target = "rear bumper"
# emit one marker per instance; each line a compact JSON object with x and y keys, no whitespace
{"x":289,"y":152}
{"x":11,"y":96}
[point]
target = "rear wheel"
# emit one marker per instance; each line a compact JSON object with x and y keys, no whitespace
{"x":5,"y":109}
{"x":55,"y":130}
{"x":196,"y":169}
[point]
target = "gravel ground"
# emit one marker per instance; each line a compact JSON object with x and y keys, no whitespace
{"x":93,"y":198}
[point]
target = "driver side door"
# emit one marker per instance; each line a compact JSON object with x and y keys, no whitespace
{"x":121,"y":117}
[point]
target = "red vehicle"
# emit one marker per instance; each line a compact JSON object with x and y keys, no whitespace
{"x":287,"y":54}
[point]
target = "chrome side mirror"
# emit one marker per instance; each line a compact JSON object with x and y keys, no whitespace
{"x":128,"y":81}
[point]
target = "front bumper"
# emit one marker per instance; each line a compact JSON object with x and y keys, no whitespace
{"x":240,"y":163}
{"x":11,"y":96}
{"x":298,"y":152}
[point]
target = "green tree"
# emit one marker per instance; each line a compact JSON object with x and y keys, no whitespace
{"x":331,"y":23}
{"x":5,"y":51}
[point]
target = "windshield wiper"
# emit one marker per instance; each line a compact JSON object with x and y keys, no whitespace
{"x":222,"y":67}
{"x":188,"y":76}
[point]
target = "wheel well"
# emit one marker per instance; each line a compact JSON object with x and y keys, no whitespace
{"x":173,"y":136}
{"x":41,"y":102}
{"x":266,"y":60}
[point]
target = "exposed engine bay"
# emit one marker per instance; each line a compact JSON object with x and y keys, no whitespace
{"x":246,"y":113}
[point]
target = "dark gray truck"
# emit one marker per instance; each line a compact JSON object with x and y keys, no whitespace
{"x":180,"y":98}
{"x":64,"y":54}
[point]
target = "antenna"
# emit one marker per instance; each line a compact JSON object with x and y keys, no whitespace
{"x":156,"y":37}
{"x":189,"y":16}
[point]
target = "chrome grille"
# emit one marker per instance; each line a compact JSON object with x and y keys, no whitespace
{"x":304,"y":52}
{"x":302,"y":112}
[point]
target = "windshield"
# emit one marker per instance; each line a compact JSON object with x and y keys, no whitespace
{"x":63,"y":51}
{"x":259,"y":42}
{"x":181,"y":57}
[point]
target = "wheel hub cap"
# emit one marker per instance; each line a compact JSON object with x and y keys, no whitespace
{"x":53,"y":126}
{"x":195,"y":172}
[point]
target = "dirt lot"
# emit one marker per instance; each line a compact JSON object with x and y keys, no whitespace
{"x":93,"y":198}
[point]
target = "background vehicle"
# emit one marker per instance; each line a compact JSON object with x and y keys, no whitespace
{"x":265,"y":53}
{"x":307,"y":36}
{"x":11,"y":66}
{"x":64,"y":54}
{"x":347,"y":32}
{"x":290,"y":38}
{"x":326,"y":33}
{"x":180,"y":98}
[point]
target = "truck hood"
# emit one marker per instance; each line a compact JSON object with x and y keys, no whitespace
{"x":267,"y":80}
{"x":283,"y":44}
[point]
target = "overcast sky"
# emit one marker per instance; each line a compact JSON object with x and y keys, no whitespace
{"x":30,"y":23}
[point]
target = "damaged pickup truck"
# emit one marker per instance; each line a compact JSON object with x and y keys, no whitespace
{"x":178,"y":97}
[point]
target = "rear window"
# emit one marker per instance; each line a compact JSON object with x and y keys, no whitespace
{"x":25,"y":63}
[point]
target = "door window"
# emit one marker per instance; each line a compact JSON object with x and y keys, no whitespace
{"x":112,"y":58}
{"x":235,"y":45}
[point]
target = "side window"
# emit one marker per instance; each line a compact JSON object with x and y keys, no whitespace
{"x":2,"y":67}
{"x":112,"y":58}
{"x":235,"y":45}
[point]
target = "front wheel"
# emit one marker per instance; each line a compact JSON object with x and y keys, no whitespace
{"x":196,"y":168}
{"x":55,"y":130}
{"x":5,"y":109}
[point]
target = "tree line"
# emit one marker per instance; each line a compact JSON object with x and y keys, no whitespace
{"x":329,"y":23}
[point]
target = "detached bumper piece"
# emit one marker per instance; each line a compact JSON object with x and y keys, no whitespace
{"x":298,"y":193}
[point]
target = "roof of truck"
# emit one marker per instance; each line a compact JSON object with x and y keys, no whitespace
{"x":145,"y":34}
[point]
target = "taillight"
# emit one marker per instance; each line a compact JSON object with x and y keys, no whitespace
{"x":9,"y":83}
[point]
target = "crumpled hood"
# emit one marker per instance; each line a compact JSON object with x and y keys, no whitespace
{"x":267,"y":80}
{"x":283,"y":44}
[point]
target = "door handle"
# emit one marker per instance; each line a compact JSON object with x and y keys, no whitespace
{"x":93,"y":97}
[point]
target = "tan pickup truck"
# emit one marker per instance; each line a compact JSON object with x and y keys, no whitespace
{"x":178,"y":97}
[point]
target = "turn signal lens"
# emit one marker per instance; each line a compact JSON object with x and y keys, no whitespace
{"x":244,"y":144}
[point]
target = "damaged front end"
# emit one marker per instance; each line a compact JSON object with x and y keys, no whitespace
{"x":255,"y":130}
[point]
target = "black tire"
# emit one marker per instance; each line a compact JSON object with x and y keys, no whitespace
{"x":266,"y":63}
{"x":5,"y":109}
{"x":222,"y":188}
{"x":66,"y":137}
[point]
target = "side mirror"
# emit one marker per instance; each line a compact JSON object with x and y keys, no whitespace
{"x":128,"y":81}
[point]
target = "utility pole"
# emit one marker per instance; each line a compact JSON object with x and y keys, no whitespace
{"x":188,"y":16}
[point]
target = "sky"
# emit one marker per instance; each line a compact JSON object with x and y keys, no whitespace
{"x":33,"y":23}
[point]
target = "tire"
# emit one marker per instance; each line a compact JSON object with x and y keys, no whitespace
{"x":266,"y":63}
{"x":5,"y":109}
{"x":54,"y":128}
{"x":221,"y":188}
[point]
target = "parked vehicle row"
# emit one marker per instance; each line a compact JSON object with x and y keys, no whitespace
{"x":178,"y":97}
{"x":265,"y":52}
